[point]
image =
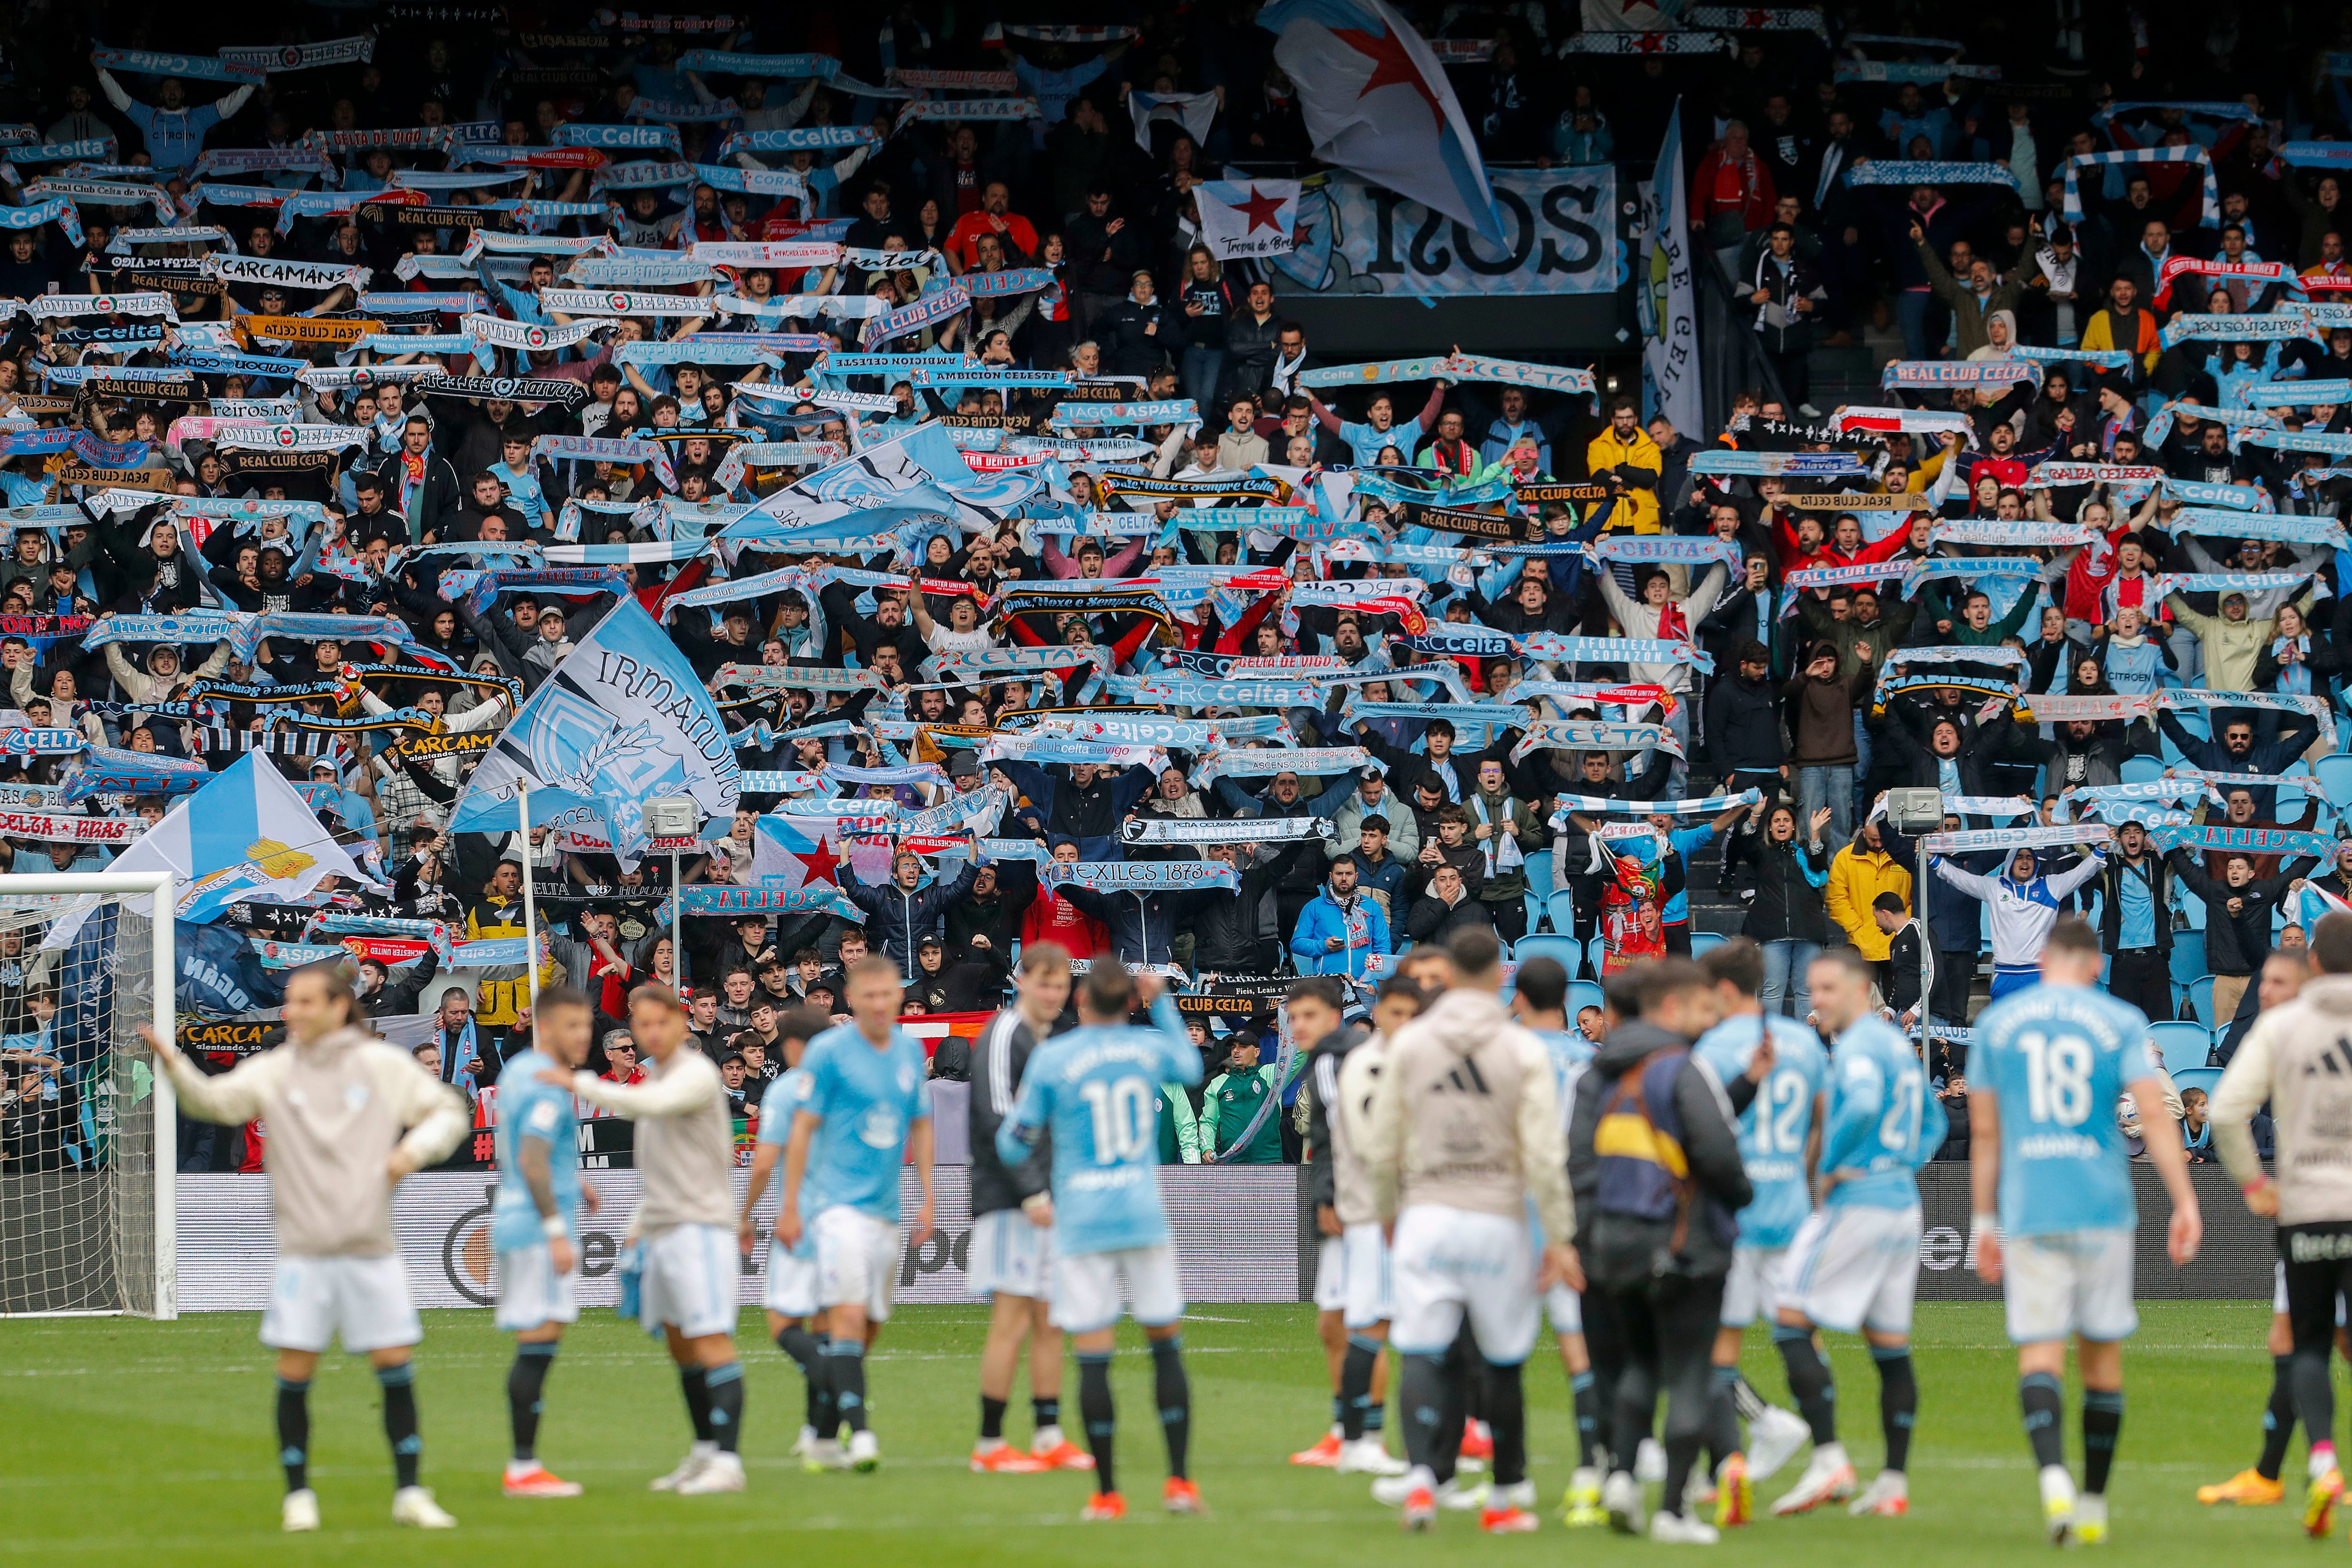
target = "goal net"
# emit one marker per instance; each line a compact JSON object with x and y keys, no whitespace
{"x":87,"y":1123}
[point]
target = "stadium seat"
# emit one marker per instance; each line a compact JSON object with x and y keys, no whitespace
{"x":1701,"y":941}
{"x":2142,"y":770}
{"x":2183,"y":1044}
{"x":2335,"y":776}
{"x":2200,"y":999}
{"x":1561,"y":905}
{"x":2187,"y":1079}
{"x":1537,"y":870}
{"x":1581,"y":993}
{"x":2188,"y":956}
{"x":1565,"y":949}
{"x":1594,"y":952}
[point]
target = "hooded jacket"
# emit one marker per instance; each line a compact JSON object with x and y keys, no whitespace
{"x":1488,"y":1154}
{"x":1620,"y":1249}
{"x":336,"y":1109}
{"x":2293,"y":1059}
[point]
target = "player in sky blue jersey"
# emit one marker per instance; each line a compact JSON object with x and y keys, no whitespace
{"x":790,"y":1296}
{"x":535,"y":1221}
{"x":868,"y":1110}
{"x":1853,"y":1264}
{"x":1092,"y":1088}
{"x":1779,"y":1145}
{"x":2053,"y":1216}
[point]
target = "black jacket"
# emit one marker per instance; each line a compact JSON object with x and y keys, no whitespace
{"x":1787,"y":905}
{"x":2157,"y":872}
{"x":1320,"y":1090}
{"x":1226,"y":934}
{"x":1903,"y":730}
{"x":1621,"y":1251}
{"x":1431,"y":921}
{"x":1743,"y":727}
{"x":902,"y":918}
{"x":999,"y":1055}
{"x":2236,"y":945}
{"x":433,"y":509}
{"x":398,"y":997}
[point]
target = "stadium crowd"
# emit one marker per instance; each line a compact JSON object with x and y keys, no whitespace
{"x":1009,"y":527}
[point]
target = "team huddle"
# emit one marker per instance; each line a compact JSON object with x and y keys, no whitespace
{"x":1476,"y":1168}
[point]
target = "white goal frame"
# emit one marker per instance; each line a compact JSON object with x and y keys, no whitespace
{"x":162,"y":889}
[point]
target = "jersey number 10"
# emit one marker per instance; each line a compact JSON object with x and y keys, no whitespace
{"x":1125,"y":1125}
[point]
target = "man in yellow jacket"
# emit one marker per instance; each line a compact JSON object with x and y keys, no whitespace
{"x":1858,"y":874}
{"x":1624,"y":458}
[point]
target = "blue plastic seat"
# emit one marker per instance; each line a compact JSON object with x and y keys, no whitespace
{"x":1594,"y":951}
{"x":1561,"y":905}
{"x":2335,"y":774}
{"x":1701,"y":941}
{"x":2200,"y":999}
{"x":1566,"y":950}
{"x":2184,"y":1045}
{"x":1581,"y":993}
{"x":2185,"y":1079}
{"x":1537,"y":870}
{"x":2142,"y":770}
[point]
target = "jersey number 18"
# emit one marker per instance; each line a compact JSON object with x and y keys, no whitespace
{"x":2057,"y":1079}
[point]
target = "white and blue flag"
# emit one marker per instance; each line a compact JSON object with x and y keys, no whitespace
{"x":246,"y":835}
{"x":622,"y":720}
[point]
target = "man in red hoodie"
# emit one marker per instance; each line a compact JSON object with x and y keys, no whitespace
{"x":1731,"y":197}
{"x":1053,"y":917}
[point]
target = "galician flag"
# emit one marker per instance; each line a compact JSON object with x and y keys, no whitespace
{"x":1378,"y":104}
{"x":622,"y":720}
{"x":1247,"y":217}
{"x":245,"y":834}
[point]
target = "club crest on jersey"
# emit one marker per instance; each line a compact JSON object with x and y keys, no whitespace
{"x":879,"y":1128}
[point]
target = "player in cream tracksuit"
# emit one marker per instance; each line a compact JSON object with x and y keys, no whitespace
{"x":684,"y":1227}
{"x":2298,"y":1059}
{"x":1465,"y":1129}
{"x":348,"y":1117}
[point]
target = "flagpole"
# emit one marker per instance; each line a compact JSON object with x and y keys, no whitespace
{"x":530,"y":907}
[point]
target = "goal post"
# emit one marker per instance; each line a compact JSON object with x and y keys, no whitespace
{"x":88,"y":1146}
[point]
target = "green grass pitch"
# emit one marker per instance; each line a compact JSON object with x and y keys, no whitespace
{"x":129,"y":1441}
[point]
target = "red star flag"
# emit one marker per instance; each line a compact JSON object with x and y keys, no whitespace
{"x":1248,"y":217}
{"x":1377,"y":104}
{"x":1631,"y":15}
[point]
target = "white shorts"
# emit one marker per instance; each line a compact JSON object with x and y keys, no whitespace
{"x":1008,"y":1256}
{"x":532,"y":1294}
{"x":856,"y":1260}
{"x":690,"y":1281}
{"x":1752,"y":1288}
{"x":364,"y":1300}
{"x":1371,"y":1282}
{"x":2076,"y":1283}
{"x":1086,"y":1288}
{"x":1450,"y":1260}
{"x":792,"y":1284}
{"x":1854,"y":1266}
{"x":1565,"y":1308}
{"x":1331,"y":1274}
{"x":1353,"y":1275}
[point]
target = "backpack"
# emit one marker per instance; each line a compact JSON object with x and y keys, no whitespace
{"x":1645,"y":1175}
